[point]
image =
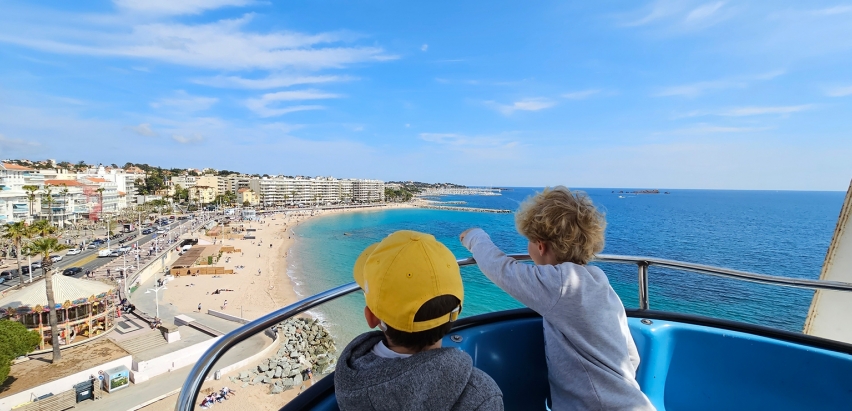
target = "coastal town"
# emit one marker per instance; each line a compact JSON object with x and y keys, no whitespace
{"x":116,"y":279}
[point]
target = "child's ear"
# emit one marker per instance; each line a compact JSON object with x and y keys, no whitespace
{"x":542,"y":247}
{"x":372,"y":320}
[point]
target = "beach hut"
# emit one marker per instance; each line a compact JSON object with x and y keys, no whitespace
{"x":84,"y":309}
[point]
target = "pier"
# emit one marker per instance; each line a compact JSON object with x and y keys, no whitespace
{"x":459,"y":191}
{"x":469,"y":209}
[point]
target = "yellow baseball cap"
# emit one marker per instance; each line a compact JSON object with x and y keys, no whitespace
{"x":404,"y":271}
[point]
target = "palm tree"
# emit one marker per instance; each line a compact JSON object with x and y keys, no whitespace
{"x":30,"y":189}
{"x":45,"y":246}
{"x":64,"y":192}
{"x":16,"y":233}
{"x":47,"y":197}
{"x":42,"y":228}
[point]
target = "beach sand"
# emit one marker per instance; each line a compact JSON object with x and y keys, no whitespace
{"x":253,"y":294}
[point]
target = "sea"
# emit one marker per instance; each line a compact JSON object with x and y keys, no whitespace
{"x":783,"y":233}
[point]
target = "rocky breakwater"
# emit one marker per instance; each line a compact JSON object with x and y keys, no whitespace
{"x":304,"y":344}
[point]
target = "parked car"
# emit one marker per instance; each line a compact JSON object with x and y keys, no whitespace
{"x":36,"y":264}
{"x":56,"y":258}
{"x":124,"y":248}
{"x":106,"y":252}
{"x":92,"y":245}
{"x":9,"y":274}
{"x":72,"y":271}
{"x":161,"y":231}
{"x":147,"y":231}
{"x":74,"y":251}
{"x":116,"y":253}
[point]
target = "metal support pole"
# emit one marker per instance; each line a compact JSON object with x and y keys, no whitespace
{"x":643,"y":285}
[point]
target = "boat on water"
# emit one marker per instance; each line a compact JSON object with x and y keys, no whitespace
{"x":689,"y":362}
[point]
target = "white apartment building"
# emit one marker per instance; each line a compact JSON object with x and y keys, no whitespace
{"x":14,"y":200}
{"x":234,"y":182}
{"x":182,"y":181}
{"x":315,"y":191}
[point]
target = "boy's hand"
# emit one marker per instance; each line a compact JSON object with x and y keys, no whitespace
{"x":461,"y":236}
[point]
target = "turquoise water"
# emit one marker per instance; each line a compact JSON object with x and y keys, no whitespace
{"x":779,"y":233}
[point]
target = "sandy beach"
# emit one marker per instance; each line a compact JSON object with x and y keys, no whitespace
{"x":260,"y":284}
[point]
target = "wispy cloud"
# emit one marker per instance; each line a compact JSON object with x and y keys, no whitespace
{"x":703,"y":128}
{"x":679,"y":15}
{"x":580,"y":95}
{"x":424,"y":47}
{"x":14,"y":145}
{"x":261,"y":105}
{"x":490,"y":146}
{"x":757,"y":111}
{"x":839,"y":91}
{"x":698,"y":88}
{"x":831,"y":11}
{"x":143,"y":129}
{"x":272,"y":81}
{"x":224,"y":44}
{"x":701,"y":87}
{"x":172,"y":7}
{"x":526,"y":104}
{"x":188,"y":138}
{"x":185,"y":103}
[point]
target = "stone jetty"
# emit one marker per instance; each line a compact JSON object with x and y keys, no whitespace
{"x":304,"y":343}
{"x":470,"y":209}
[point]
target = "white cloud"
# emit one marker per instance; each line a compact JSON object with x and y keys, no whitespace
{"x":526,"y":104}
{"x":839,"y":91}
{"x":699,"y":88}
{"x":833,"y":11}
{"x":224,"y":44}
{"x":272,"y":81}
{"x":658,"y":10}
{"x":261,"y":106}
{"x":424,"y":47}
{"x":143,"y":129}
{"x":580,"y":95}
{"x":704,"y":12}
{"x":184,"y":102}
{"x":703,"y":128}
{"x":14,"y":145}
{"x":756,"y":111}
{"x":177,"y":7}
{"x":188,"y":138}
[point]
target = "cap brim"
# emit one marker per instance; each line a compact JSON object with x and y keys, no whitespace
{"x":358,"y":269}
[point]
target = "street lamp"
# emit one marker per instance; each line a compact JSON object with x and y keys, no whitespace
{"x":156,"y":291}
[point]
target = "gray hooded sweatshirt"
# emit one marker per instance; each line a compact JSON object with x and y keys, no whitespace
{"x":591,"y":356}
{"x":439,"y":379}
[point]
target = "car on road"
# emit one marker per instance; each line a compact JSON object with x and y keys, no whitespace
{"x":147,"y":231}
{"x":25,"y":269}
{"x":9,"y":274}
{"x":74,"y":251}
{"x":36,"y":264}
{"x":161,"y":231}
{"x":124,"y":249}
{"x":106,"y":252}
{"x":72,"y":271}
{"x":116,"y":253}
{"x":56,"y":258}
{"x":92,"y":245}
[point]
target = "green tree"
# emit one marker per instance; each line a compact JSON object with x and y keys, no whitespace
{"x":45,"y":246}
{"x":30,"y":189}
{"x":246,"y":203}
{"x":17,"y":233}
{"x":47,"y":198}
{"x":42,"y":228}
{"x":15,"y":341}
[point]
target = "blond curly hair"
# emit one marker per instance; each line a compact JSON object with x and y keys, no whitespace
{"x":566,"y":220}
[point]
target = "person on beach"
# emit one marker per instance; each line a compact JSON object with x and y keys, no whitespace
{"x":592,"y":359}
{"x":414,"y":293}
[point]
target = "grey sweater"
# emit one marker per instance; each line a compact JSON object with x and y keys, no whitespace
{"x":439,"y":379}
{"x":591,"y":356}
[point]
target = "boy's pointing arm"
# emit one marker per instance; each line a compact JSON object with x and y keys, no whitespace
{"x":537,"y":287}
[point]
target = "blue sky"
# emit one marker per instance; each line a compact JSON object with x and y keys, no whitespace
{"x":663,"y":94}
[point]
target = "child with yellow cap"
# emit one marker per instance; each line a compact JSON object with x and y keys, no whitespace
{"x":413,"y":289}
{"x":591,"y":356}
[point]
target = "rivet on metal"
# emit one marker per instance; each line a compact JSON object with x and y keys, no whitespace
{"x":456,"y":338}
{"x":646,"y":321}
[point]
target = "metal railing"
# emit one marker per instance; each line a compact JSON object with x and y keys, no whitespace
{"x":189,"y":392}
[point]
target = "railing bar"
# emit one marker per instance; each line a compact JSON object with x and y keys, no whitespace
{"x":189,"y":391}
{"x":644,"y":304}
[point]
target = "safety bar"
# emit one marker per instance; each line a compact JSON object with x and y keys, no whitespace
{"x":189,"y":392}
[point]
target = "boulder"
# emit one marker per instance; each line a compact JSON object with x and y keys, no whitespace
{"x":276,"y":389}
{"x":278,"y":372}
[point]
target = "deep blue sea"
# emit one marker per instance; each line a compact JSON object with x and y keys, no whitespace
{"x":769,"y":232}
